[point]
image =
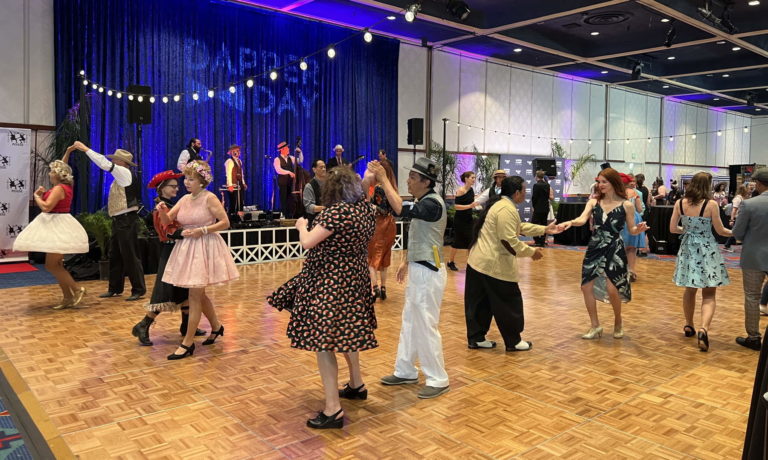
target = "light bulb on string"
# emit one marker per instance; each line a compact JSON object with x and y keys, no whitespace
{"x":176,"y":98}
{"x":195,"y":96}
{"x":589,"y":141}
{"x":331,"y":52}
{"x":232,"y":89}
{"x":693,"y":136}
{"x":719,"y":133}
{"x":367,"y":36}
{"x":101,"y":89}
{"x":119,"y":95}
{"x":570,"y":141}
{"x":85,"y":82}
{"x":210,"y":93}
{"x":249,"y":83}
{"x":671,"y":138}
{"x":94,"y":86}
{"x":141,"y":99}
{"x":109,"y":93}
{"x":130,"y":97}
{"x":746,"y":130}
{"x":649,"y":140}
{"x":165,"y":99}
{"x":152,"y":99}
{"x":609,"y":142}
{"x":82,"y":72}
{"x":303,"y":65}
{"x":627,"y":141}
{"x":273,"y":75}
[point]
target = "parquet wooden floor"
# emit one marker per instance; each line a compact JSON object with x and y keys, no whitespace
{"x":650,"y":395}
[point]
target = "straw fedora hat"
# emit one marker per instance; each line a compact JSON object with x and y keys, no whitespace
{"x":124,"y":155}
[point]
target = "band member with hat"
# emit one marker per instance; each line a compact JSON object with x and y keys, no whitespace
{"x":285,"y":167}
{"x":336,"y":160}
{"x":165,"y":297}
{"x":236,"y":185}
{"x":122,"y":207}
{"x":419,"y":334}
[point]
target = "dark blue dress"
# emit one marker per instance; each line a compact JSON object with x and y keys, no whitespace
{"x":605,"y":257}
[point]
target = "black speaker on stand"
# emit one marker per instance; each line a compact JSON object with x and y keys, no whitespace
{"x":415,"y":133}
{"x":139,"y":113}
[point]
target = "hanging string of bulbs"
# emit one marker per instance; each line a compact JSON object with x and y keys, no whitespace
{"x":626,"y":140}
{"x":273,"y":73}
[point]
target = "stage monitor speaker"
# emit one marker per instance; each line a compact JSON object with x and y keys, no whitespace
{"x":140,"y":112}
{"x":415,"y":131}
{"x":547,"y":165}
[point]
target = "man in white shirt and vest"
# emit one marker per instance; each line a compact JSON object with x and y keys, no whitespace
{"x":191,"y":153}
{"x":122,"y":207}
{"x":285,"y":167}
{"x":419,"y":334}
{"x":236,"y":185}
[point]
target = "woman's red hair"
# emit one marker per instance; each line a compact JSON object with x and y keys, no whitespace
{"x":614,"y":178}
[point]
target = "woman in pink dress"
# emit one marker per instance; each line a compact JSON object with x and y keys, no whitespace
{"x":202,"y":258}
{"x":55,"y":232}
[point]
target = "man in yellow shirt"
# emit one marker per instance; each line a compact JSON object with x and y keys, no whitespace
{"x":491,"y":288}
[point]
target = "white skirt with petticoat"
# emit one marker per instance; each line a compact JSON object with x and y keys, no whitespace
{"x":53,"y":233}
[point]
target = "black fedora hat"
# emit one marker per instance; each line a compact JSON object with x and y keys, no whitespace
{"x":425,"y":167}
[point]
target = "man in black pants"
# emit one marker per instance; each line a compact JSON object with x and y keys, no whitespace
{"x":540,"y":196}
{"x":122,"y":207}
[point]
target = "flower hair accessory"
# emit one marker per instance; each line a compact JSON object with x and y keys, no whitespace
{"x":200,"y":168}
{"x":63,"y":170}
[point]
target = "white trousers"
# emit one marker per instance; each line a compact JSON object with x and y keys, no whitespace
{"x":419,"y":334}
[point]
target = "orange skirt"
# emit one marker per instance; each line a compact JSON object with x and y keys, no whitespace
{"x":380,"y":247}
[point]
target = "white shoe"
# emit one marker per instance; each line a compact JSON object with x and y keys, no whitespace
{"x":764,"y":310}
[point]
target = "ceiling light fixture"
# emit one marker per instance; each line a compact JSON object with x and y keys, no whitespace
{"x":665,"y":86}
{"x":670,"y":58}
{"x":725,"y":75}
{"x":716,"y":99}
{"x":391,"y":18}
{"x":753,"y":3}
{"x":411,"y":11}
{"x":604,"y":72}
{"x":664,"y":19}
{"x":517,"y":50}
{"x":594,"y":34}
{"x":458,"y":9}
{"x":736,"y":48}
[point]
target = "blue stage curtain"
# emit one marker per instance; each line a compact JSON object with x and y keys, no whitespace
{"x":181,"y":46}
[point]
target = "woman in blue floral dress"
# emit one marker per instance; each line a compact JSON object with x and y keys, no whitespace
{"x":699,"y":262}
{"x":604,"y":274}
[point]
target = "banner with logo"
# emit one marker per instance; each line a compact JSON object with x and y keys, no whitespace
{"x":14,"y":188}
{"x":522,"y":165}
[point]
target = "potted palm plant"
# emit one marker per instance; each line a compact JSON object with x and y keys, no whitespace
{"x":98,"y":225}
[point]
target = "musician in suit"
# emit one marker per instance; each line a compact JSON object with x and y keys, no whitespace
{"x":236,"y":185}
{"x":285,"y":167}
{"x":336,"y":160}
{"x":751,"y":229}
{"x":190,"y":153}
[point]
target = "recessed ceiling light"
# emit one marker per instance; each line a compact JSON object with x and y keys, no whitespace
{"x":604,"y":72}
{"x":670,"y":58}
{"x":664,"y":19}
{"x":665,"y":86}
{"x":758,"y":110}
{"x":721,"y":42}
{"x":735,"y":48}
{"x":753,"y":3}
{"x":725,"y":75}
{"x":594,"y":34}
{"x":517,"y":50}
{"x":716,"y":99}
{"x":391,"y":18}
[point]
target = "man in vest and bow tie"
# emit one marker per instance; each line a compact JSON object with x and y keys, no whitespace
{"x":122,"y":207}
{"x":236,"y":185}
{"x":419,"y":334}
{"x":285,"y":167}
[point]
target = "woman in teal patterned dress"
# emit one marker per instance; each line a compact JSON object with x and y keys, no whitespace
{"x":604,"y":274}
{"x":699,"y":262}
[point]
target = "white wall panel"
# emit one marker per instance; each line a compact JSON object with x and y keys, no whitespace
{"x":562,"y":110}
{"x":12,"y":82}
{"x":497,"y":112}
{"x":472,"y":104}
{"x":635,"y":120}
{"x":411,"y":89}
{"x":445,"y":96}
{"x":759,"y":141}
{"x":541,"y":114}
{"x":580,"y":121}
{"x":617,"y":132}
{"x":746,"y":141}
{"x":730,"y":140}
{"x":597,"y":120}
{"x":42,"y":110}
{"x":700,"y":147}
{"x":520,"y":109}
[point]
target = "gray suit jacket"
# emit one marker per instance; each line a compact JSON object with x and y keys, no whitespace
{"x":752,"y":229}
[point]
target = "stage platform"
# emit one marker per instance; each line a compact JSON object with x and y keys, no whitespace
{"x":272,"y":244}
{"x":649,"y":395}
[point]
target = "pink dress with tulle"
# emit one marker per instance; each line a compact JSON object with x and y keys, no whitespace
{"x":199,"y":262}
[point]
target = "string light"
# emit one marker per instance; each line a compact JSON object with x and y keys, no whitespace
{"x":195,"y":96}
{"x":130,"y":97}
{"x":165,"y":99}
{"x":82,"y":72}
{"x":141,"y":99}
{"x":249,"y":83}
{"x":273,"y":75}
{"x":119,"y":95}
{"x":331,"y":52}
{"x":85,"y":82}
{"x":109,"y":93}
{"x":367,"y":36}
{"x":101,"y":89}
{"x":210,"y":93}
{"x":232,"y":89}
{"x":176,"y":98}
{"x":303,"y":65}
{"x":152,"y":99}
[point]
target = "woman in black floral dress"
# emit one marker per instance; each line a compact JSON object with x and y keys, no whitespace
{"x":604,"y":274}
{"x":330,"y":299}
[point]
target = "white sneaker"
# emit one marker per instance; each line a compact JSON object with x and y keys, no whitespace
{"x":764,"y":310}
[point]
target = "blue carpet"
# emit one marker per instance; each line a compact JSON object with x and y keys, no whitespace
{"x":11,"y":442}
{"x":36,"y":278}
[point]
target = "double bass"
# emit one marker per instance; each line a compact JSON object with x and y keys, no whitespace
{"x":302,"y":178}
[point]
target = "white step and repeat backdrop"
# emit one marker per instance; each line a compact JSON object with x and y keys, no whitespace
{"x":14,"y":192}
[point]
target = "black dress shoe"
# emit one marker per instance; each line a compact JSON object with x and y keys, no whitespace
{"x":323,"y":421}
{"x":383,"y":293}
{"x":749,"y":342}
{"x":133,"y":297}
{"x":353,"y":393}
{"x":110,"y":294}
{"x":452,"y":266}
{"x":141,"y":331}
{"x":188,"y":351}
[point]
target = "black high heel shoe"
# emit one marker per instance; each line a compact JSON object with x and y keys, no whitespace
{"x":353,"y":393}
{"x":703,"y":340}
{"x":322,"y":421}
{"x":689,"y":331}
{"x":214,"y":335}
{"x":383,"y":294}
{"x":188,"y":351}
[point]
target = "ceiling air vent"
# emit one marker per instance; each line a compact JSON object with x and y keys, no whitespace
{"x":607,"y":18}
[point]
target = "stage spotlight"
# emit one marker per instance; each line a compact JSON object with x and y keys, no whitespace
{"x":637,"y":69}
{"x":750,"y":99}
{"x":671,"y":35}
{"x":367,"y":36}
{"x":723,"y":22}
{"x":458,"y":9}
{"x":412,"y":11}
